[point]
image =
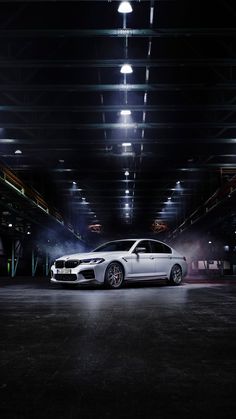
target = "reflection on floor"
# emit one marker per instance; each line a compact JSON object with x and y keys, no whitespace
{"x":145,"y":351}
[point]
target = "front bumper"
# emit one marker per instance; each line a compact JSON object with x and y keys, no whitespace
{"x":80,"y":275}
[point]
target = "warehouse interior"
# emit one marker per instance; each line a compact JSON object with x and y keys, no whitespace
{"x":117,"y":121}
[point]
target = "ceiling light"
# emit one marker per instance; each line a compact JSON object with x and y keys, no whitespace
{"x":126,"y":69}
{"x":178,"y":182}
{"x":74,"y":183}
{"x":83,"y":199}
{"x":125,"y":7}
{"x":126,"y":144}
{"x":169,"y":198}
{"x":10,"y":225}
{"x":127,"y":174}
{"x":127,"y":191}
{"x":18,"y":152}
{"x":125,"y":112}
{"x":28,"y":232}
{"x":209,"y":242}
{"x":127,"y":205}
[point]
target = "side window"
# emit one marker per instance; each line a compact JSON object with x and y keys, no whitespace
{"x":146,"y":245}
{"x":166,"y":249}
{"x":157,"y":247}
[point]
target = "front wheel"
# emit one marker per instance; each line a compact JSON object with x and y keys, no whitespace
{"x":114,"y":275}
{"x":176,"y":275}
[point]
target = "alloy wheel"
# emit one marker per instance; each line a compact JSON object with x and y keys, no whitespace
{"x":176,"y":275}
{"x":114,"y":275}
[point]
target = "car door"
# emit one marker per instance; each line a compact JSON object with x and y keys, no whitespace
{"x":162,"y":256}
{"x":143,"y":263}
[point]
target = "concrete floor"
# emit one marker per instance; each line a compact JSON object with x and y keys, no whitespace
{"x":146,"y":351}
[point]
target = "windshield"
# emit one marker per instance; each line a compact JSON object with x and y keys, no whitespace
{"x":117,"y":246}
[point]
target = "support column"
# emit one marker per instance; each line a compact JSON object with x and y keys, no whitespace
{"x":47,"y":264}
{"x":14,"y":258}
{"x":34,"y":262}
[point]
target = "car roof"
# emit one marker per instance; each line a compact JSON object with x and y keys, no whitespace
{"x":140,"y":239}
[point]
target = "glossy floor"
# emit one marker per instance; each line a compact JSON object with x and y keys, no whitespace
{"x":146,"y":351}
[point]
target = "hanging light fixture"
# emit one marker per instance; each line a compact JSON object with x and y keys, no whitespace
{"x":125,"y":7}
{"x":126,"y":69}
{"x":125,"y":112}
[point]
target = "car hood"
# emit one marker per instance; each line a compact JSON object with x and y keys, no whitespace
{"x":93,"y":255}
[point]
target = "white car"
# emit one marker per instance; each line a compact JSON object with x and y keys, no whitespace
{"x":121,"y":260}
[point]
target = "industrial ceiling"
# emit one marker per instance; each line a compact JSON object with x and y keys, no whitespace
{"x":62,"y":91}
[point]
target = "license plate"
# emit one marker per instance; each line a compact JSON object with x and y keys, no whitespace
{"x":64,"y":271}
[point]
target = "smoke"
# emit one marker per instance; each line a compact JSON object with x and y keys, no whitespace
{"x":55,"y":244}
{"x":66,"y":248}
{"x":192,"y":250}
{"x":197,"y":246}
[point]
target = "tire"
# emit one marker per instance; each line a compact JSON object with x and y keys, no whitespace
{"x":176,"y":275}
{"x":114,"y":275}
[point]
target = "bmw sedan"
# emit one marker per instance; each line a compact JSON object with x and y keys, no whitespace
{"x":121,"y":260}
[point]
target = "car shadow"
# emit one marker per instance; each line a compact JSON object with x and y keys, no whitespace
{"x":127,"y":285}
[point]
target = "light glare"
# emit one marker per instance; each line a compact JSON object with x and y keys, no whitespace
{"x":126,"y":69}
{"x":125,"y":112}
{"x":125,"y":7}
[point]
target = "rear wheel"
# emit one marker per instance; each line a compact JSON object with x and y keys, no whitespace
{"x":114,"y":276}
{"x":176,"y":275}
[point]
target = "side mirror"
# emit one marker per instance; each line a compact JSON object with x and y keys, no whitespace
{"x":140,"y":250}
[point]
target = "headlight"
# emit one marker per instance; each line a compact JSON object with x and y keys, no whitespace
{"x":92,"y":261}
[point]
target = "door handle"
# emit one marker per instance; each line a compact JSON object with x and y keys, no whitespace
{"x":151,"y":257}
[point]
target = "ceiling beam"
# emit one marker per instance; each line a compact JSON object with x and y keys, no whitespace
{"x":73,"y":143}
{"x":200,"y":168}
{"x":164,"y":62}
{"x":135,"y":33}
{"x":116,"y":108}
{"x":102,"y":126}
{"x":172,"y":87}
